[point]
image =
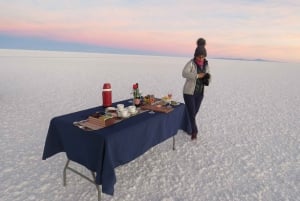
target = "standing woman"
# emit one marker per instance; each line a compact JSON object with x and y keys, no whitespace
{"x":196,"y":73}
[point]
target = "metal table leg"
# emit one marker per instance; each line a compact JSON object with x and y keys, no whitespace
{"x":83,"y":176}
{"x":173,"y":142}
{"x":93,"y":174}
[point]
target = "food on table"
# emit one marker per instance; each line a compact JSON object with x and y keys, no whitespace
{"x":149,"y":99}
{"x":174,"y":103}
{"x":166,"y":99}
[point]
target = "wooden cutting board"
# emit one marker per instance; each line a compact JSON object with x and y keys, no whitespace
{"x":97,"y":123}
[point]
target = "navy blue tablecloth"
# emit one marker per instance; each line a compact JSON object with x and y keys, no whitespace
{"x":102,"y":150}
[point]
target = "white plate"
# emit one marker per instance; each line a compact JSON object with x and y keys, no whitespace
{"x":111,"y":109}
{"x":175,"y":104}
{"x":126,"y":116}
{"x":134,"y":113}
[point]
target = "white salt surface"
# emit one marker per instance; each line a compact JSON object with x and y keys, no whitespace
{"x":248,"y":148}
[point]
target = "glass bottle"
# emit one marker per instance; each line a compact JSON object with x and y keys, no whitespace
{"x":136,"y":95}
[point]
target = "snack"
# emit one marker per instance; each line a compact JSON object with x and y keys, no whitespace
{"x":174,"y":103}
{"x":149,"y":99}
{"x":166,"y":99}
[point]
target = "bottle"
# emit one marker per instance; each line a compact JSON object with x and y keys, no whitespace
{"x":136,"y":95}
{"x":106,"y":95}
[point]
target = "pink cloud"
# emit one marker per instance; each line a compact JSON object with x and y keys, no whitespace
{"x":245,"y":30}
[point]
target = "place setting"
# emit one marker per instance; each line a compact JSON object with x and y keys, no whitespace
{"x":114,"y":113}
{"x":125,"y":112}
{"x":165,"y":104}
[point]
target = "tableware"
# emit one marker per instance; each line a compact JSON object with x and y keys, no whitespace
{"x":124,"y":113}
{"x":174,"y":103}
{"x":132,"y":109}
{"x":134,"y":113}
{"x":166,"y":99}
{"x":151,"y":112}
{"x":111,"y":109}
{"x":119,"y":113}
{"x":126,"y":116}
{"x":120,"y":106}
{"x":158,"y":108}
{"x":75,"y":123}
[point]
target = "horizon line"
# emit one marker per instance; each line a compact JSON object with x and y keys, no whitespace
{"x":139,"y":54}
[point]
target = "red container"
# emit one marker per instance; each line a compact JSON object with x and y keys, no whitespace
{"x":107,"y":95}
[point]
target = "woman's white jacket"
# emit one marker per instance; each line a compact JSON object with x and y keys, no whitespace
{"x":189,"y":72}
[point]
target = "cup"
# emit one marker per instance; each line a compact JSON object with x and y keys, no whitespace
{"x":120,"y":106}
{"x":124,"y":113}
{"x":132,"y":109}
{"x":119,"y":113}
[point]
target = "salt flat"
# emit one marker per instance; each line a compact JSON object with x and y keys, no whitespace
{"x":248,"y":149}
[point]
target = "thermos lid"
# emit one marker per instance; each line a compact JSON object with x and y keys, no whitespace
{"x":106,"y":86}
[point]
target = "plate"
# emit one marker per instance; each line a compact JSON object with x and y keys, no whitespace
{"x":134,"y":113}
{"x":166,"y":100}
{"x":174,"y":103}
{"x":125,"y":117}
{"x":111,"y":109}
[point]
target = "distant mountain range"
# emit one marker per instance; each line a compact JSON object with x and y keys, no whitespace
{"x":35,"y":43}
{"x":244,"y":59}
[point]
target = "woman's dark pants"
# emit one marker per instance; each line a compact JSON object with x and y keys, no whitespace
{"x":193,"y":103}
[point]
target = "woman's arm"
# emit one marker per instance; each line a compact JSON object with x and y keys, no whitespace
{"x":189,"y":71}
{"x":207,"y":68}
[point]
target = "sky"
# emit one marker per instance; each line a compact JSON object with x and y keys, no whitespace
{"x":249,"y":29}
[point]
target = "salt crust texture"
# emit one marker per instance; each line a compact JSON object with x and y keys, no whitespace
{"x":248,"y":145}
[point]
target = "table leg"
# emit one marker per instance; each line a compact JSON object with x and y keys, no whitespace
{"x":97,"y":186}
{"x":83,"y":176}
{"x":173,"y":142}
{"x":65,"y":173}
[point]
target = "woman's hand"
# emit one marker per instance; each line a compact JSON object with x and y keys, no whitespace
{"x":201,"y":75}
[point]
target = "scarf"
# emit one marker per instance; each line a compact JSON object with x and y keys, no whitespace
{"x":200,"y":64}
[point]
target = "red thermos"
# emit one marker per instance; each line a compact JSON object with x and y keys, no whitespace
{"x":106,"y":95}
